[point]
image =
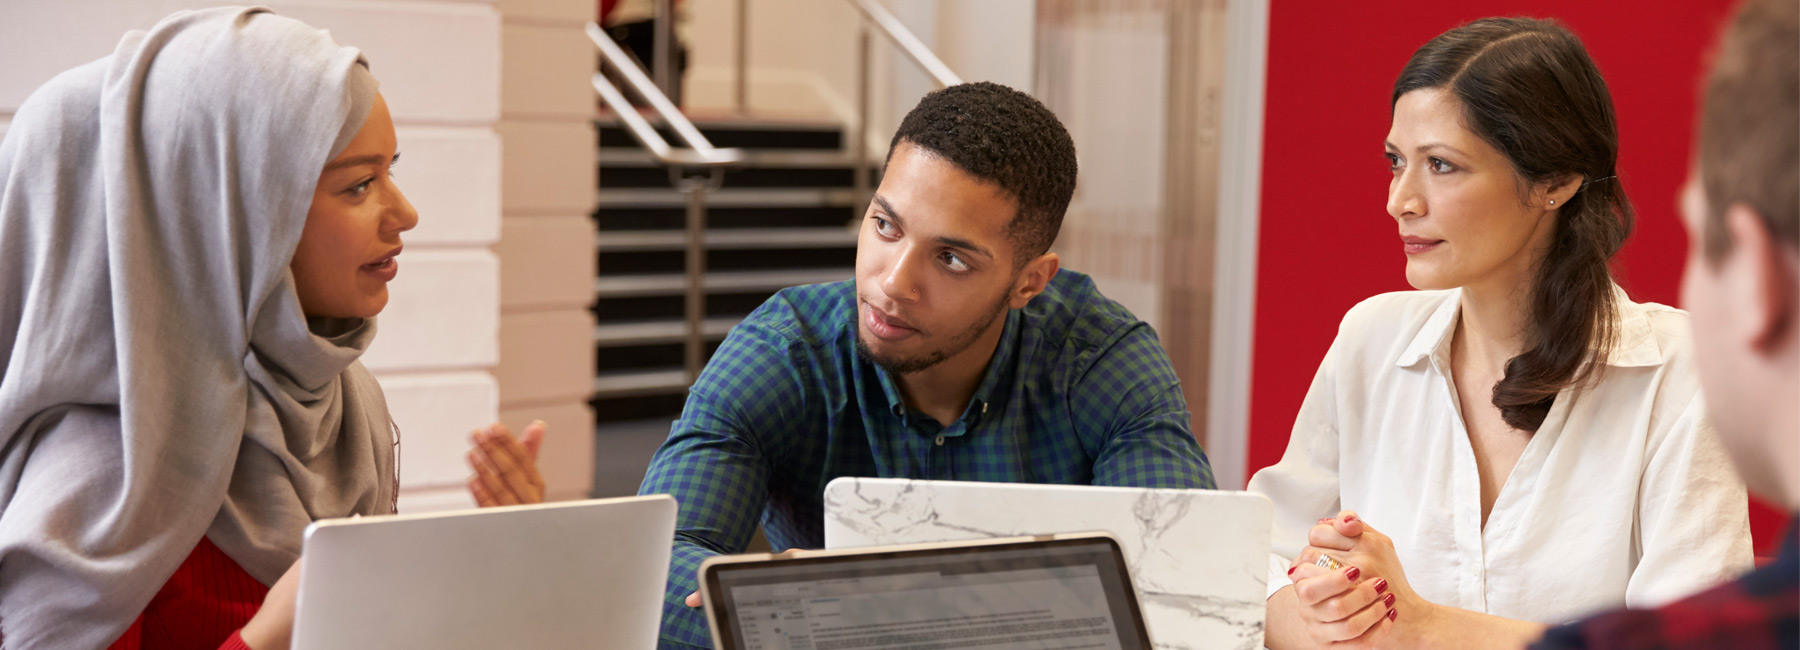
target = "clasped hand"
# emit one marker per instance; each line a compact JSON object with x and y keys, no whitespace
{"x":1358,"y":604}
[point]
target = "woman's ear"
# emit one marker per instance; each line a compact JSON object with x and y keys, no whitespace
{"x":1558,"y":191}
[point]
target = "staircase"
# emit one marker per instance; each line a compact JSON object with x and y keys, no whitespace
{"x":786,"y":218}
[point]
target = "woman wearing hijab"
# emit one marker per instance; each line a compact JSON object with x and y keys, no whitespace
{"x":196,"y":233}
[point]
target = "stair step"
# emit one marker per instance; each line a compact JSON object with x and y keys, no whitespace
{"x":612,"y":177}
{"x":742,"y":134}
{"x":664,"y":284}
{"x":645,"y":197}
{"x":723,"y":218}
{"x":745,"y":238}
{"x":768,"y":158}
{"x":659,"y":331}
{"x":651,"y":381}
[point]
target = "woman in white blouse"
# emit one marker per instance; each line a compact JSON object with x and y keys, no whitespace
{"x":1517,"y":443}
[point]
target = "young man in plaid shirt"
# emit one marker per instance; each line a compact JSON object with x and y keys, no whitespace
{"x":1742,"y":289}
{"x":960,"y":352}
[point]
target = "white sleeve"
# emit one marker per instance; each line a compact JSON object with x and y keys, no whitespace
{"x":1693,"y":523}
{"x":1304,"y":486}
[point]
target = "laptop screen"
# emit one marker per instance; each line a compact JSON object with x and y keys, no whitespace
{"x":1071,"y":594}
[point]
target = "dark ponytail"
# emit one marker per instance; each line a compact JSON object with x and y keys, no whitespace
{"x":1528,"y":88}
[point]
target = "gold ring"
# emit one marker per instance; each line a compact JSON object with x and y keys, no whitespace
{"x":1330,"y":563}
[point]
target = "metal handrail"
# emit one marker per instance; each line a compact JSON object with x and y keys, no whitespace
{"x":700,"y":155}
{"x":914,"y":48}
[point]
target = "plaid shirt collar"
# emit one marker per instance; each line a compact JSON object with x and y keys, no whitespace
{"x":999,"y":373}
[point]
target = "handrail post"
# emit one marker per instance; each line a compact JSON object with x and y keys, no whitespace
{"x":859,"y":156}
{"x":743,"y":58}
{"x":662,"y":58}
{"x":695,"y":309}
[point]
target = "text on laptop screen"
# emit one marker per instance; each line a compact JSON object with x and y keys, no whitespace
{"x":1060,"y":596}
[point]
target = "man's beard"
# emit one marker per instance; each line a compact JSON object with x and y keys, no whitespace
{"x":958,"y":343}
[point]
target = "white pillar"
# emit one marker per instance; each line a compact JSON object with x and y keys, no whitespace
{"x":547,"y":254}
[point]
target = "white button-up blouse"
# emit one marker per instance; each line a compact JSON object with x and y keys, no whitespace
{"x":1623,"y":497}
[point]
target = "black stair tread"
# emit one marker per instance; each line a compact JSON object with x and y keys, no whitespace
{"x":635,"y":156}
{"x":647,"y":381}
{"x":736,"y":238}
{"x":779,"y":197}
{"x":725,"y":217}
{"x":716,"y":282}
{"x":612,"y":177}
{"x":667,"y":330}
{"x":738,"y":134}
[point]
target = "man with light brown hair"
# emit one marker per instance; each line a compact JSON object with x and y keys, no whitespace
{"x":1741,"y":207}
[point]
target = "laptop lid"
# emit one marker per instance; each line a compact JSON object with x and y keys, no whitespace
{"x":1060,"y":592}
{"x":581,"y":574}
{"x":1199,"y":558}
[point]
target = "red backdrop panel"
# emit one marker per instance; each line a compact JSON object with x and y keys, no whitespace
{"x":1326,"y":239}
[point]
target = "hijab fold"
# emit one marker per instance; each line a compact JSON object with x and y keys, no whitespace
{"x":158,"y":379}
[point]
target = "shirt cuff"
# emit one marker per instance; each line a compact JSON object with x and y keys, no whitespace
{"x":1278,"y":568}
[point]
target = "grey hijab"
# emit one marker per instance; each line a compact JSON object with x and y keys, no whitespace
{"x":158,"y":380}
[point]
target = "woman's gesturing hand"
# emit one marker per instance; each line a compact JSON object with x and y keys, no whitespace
{"x":506,"y":470}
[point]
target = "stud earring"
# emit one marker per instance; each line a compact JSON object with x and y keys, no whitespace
{"x":1552,"y":201}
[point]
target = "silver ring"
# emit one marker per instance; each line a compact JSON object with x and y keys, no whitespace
{"x":1330,"y":563}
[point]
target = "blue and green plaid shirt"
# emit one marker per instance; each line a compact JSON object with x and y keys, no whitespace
{"x":1079,"y":392}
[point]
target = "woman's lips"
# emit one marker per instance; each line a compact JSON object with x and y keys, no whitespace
{"x":384,"y":269}
{"x":885,"y":327}
{"x":1416,"y":245}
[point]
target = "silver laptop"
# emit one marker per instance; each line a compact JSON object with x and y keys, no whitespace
{"x":1050,"y":592}
{"x":1199,"y":558}
{"x":580,"y":574}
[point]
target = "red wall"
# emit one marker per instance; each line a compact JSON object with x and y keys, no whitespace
{"x":1326,"y":239}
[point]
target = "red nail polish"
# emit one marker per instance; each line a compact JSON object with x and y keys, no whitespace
{"x":1393,"y":614}
{"x":1389,"y":601}
{"x":1349,"y":518}
{"x":1292,"y":568}
{"x":1381,"y":585}
{"x":1352,"y":574}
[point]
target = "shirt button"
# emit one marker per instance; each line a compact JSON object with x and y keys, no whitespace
{"x":940,"y":441}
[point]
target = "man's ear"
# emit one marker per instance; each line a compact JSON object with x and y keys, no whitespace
{"x":1033,"y":278}
{"x":1765,"y":283}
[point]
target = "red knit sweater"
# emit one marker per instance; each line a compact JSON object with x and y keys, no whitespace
{"x":202,"y":606}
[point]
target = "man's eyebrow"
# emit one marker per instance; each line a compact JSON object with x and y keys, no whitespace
{"x":889,"y":209}
{"x":953,"y":242}
{"x":371,"y":159}
{"x":964,"y":244}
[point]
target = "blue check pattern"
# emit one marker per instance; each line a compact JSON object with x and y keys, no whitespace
{"x":1079,"y":392}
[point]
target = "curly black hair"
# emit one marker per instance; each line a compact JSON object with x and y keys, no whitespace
{"x":1006,"y":138}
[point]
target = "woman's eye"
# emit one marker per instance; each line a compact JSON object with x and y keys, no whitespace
{"x":955,"y":262}
{"x":362,"y":188}
{"x":1393,"y":162}
{"x":1439,"y":166}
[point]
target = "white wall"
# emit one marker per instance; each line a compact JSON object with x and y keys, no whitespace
{"x":803,"y":58}
{"x":439,"y":62}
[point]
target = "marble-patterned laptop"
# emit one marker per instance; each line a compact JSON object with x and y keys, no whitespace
{"x":1199,"y":558}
